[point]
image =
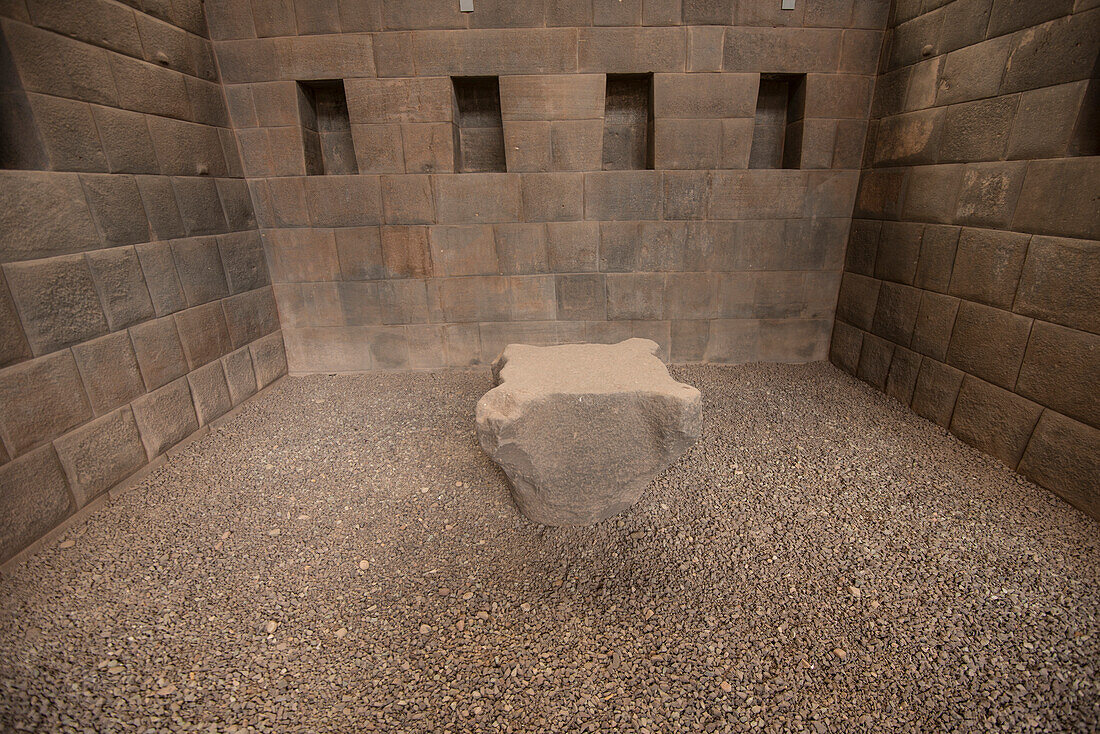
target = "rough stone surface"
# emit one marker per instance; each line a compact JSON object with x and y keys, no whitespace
{"x":582,"y":429}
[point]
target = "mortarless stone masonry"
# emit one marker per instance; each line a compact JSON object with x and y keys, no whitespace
{"x":158,"y":218}
{"x":971,"y":289}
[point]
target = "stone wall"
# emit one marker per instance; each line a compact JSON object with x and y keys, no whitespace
{"x":135,"y":304}
{"x":971,"y":289}
{"x":407,"y":264}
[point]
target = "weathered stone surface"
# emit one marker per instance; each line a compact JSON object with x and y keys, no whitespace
{"x":582,"y":429}
{"x":34,"y":497}
{"x":165,"y":417}
{"x":57,"y":300}
{"x":209,"y":392}
{"x":110,"y":371}
{"x":100,"y":454}
{"x":40,"y":400}
{"x":1064,"y":455}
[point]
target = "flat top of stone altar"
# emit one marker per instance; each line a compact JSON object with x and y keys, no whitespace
{"x":628,"y":366}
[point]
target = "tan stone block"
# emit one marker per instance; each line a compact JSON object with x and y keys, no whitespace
{"x":39,"y":400}
{"x":408,"y":199}
{"x":159,"y":351}
{"x":360,"y":253}
{"x":44,"y":214}
{"x":993,"y":420}
{"x":521,"y":248}
{"x":527,"y":145}
{"x":632,"y":50}
{"x":406,"y":252}
{"x":53,"y":64}
{"x":704,"y":96}
{"x":268,"y":359}
{"x":1064,"y":456}
{"x":429,"y":147}
{"x":57,"y":301}
{"x":34,"y":497}
{"x":414,"y":99}
{"x":203,"y":333}
{"x":109,"y":370}
{"x":209,"y":392}
{"x":552,"y":97}
{"x":239,"y":376}
{"x":576,"y":145}
{"x":328,"y":56}
{"x":100,"y":454}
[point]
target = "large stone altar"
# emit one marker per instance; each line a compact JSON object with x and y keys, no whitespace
{"x":582,"y":429}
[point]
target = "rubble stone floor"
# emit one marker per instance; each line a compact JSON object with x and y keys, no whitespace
{"x":342,"y":557}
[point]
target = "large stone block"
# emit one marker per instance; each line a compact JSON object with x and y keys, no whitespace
{"x":552,"y":197}
{"x":236,"y":203}
{"x":1045,"y":121}
{"x":117,"y":208}
{"x":406,"y":252}
{"x":40,"y":400}
{"x":121,"y":285}
{"x":344,"y":201}
{"x":988,"y":194}
{"x":203,"y":333}
{"x":535,"y":427}
{"x":988,"y":265}
{"x":902,"y":378}
{"x":250,"y":315}
{"x":1060,"y":370}
{"x":209,"y":392}
{"x":239,"y":375}
{"x":165,"y":417}
{"x":758,"y":194}
{"x":478,"y":198}
{"x":159,"y":200}
{"x":974,"y":72}
{"x":687,"y":144}
{"x":1064,"y":456}
{"x":932,"y":193}
{"x":325,"y":56}
{"x":243,"y":261}
{"x":875,"y":357}
{"x":68,"y":132}
{"x":937,"y":258}
{"x":581,"y":297}
{"x":199,"y":265}
{"x":199,"y":205}
{"x":988,"y":342}
{"x":57,"y":301}
{"x":53,"y":64}
{"x":912,"y":138}
{"x":159,"y":351}
{"x":407,"y":199}
{"x":632,"y":50}
{"x":1060,"y":282}
{"x":44,"y":214}
{"x":781,"y":50}
{"x":413,"y":99}
{"x":845,"y":347}
{"x":898,"y":251}
{"x":110,"y":371}
{"x":531,"y":298}
{"x":126,"y":141}
{"x":576,"y":145}
{"x":857,"y":300}
{"x":935,"y":321}
{"x":552,"y":97}
{"x":34,"y":497}
{"x":936,"y":391}
{"x":896,"y":312}
{"x":704,"y":96}
{"x":473,"y":299}
{"x":571,"y":247}
{"x":464,"y":250}
{"x":635,"y":296}
{"x":994,"y":420}
{"x":301,"y":255}
{"x":268,"y":359}
{"x":1059,"y":198}
{"x":978,"y":131}
{"x":100,"y":454}
{"x":1063,"y":50}
{"x":521,"y":248}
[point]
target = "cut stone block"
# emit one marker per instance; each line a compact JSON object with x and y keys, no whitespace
{"x":582,"y":429}
{"x":165,"y":417}
{"x":34,"y":497}
{"x":101,"y":454}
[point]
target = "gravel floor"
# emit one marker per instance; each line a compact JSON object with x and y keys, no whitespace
{"x":342,"y":557}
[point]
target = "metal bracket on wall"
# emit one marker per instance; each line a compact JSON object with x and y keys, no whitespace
{"x":788,"y":5}
{"x":467,"y":6}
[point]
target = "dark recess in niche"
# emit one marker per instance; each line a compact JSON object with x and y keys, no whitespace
{"x":628,"y":122}
{"x":777,"y":134}
{"x":326,"y":129}
{"x":478,"y":130}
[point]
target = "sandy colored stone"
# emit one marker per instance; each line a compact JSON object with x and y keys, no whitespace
{"x":582,"y":429}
